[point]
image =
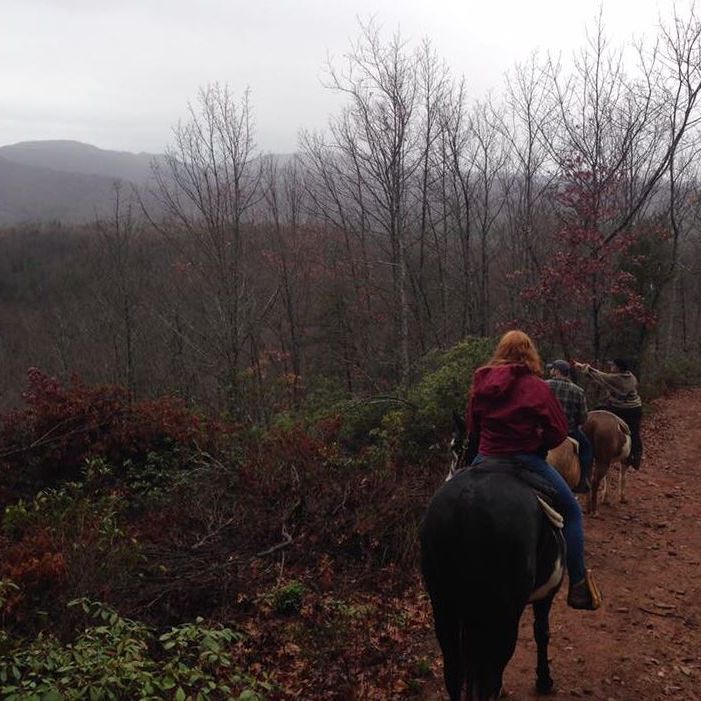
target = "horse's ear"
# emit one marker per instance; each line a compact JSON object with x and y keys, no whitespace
{"x":459,"y":423}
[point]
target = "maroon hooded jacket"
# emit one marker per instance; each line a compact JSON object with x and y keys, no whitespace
{"x":514,"y":411}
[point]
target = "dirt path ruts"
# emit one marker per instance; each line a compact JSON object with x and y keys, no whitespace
{"x":644,"y":644}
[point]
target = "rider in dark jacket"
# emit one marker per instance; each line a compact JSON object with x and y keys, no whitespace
{"x":623,"y":400}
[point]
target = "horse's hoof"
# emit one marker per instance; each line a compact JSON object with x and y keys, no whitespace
{"x":545,"y":687}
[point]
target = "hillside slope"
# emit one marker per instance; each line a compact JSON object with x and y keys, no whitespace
{"x":29,"y":193}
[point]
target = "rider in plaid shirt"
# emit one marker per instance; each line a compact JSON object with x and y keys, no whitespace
{"x":574,"y":403}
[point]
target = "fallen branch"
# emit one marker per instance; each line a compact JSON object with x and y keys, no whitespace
{"x":283,"y":544}
{"x":50,"y":438}
{"x":212,"y":534}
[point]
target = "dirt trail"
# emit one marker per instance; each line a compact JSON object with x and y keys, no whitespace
{"x":644,"y":644}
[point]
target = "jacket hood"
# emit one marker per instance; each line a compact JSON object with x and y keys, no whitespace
{"x":495,"y":382}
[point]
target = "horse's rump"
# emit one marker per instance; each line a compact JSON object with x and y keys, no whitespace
{"x":611,"y":441}
{"x":485,"y":528}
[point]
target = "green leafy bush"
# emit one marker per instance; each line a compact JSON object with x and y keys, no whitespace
{"x":287,"y":599}
{"x":445,"y":379}
{"x":361,"y":420}
{"x":62,"y":543}
{"x":118,"y":658}
{"x":446,"y":376}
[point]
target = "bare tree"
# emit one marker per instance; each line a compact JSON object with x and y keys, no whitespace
{"x":376,"y":138}
{"x":490,"y":191}
{"x":118,"y":285}
{"x":671,"y":93}
{"x":434,"y":82}
{"x":457,"y":187}
{"x":285,"y":199}
{"x":336,"y":201}
{"x":207,"y":186}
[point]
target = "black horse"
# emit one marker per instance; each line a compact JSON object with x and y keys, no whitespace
{"x":487,"y":550}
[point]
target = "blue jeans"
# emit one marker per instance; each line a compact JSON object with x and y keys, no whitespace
{"x":567,"y":504}
{"x":586,"y":452}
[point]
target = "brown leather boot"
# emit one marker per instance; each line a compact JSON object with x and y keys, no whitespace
{"x":584,"y":595}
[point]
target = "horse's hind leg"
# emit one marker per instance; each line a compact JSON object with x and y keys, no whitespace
{"x":541,"y":632}
{"x":622,"y":484}
{"x":594,"y":493}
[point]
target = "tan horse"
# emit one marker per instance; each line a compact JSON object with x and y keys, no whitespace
{"x":565,"y":459}
{"x":610,"y":440}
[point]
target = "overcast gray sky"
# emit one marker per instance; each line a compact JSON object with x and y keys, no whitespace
{"x":119,"y":73}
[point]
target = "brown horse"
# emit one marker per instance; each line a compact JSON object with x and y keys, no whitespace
{"x":565,"y":459}
{"x":610,"y":440}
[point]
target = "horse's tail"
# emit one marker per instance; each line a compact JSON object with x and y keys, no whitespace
{"x":450,"y":632}
{"x":489,"y":644}
{"x":473,"y":644}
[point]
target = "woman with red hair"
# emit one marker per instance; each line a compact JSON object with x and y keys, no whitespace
{"x":512,"y":413}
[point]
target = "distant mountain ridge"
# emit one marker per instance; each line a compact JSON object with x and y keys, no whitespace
{"x":65,"y":180}
{"x":77,"y":157}
{"x":71,"y":181}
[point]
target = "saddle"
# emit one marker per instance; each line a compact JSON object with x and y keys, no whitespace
{"x":520,"y":470}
